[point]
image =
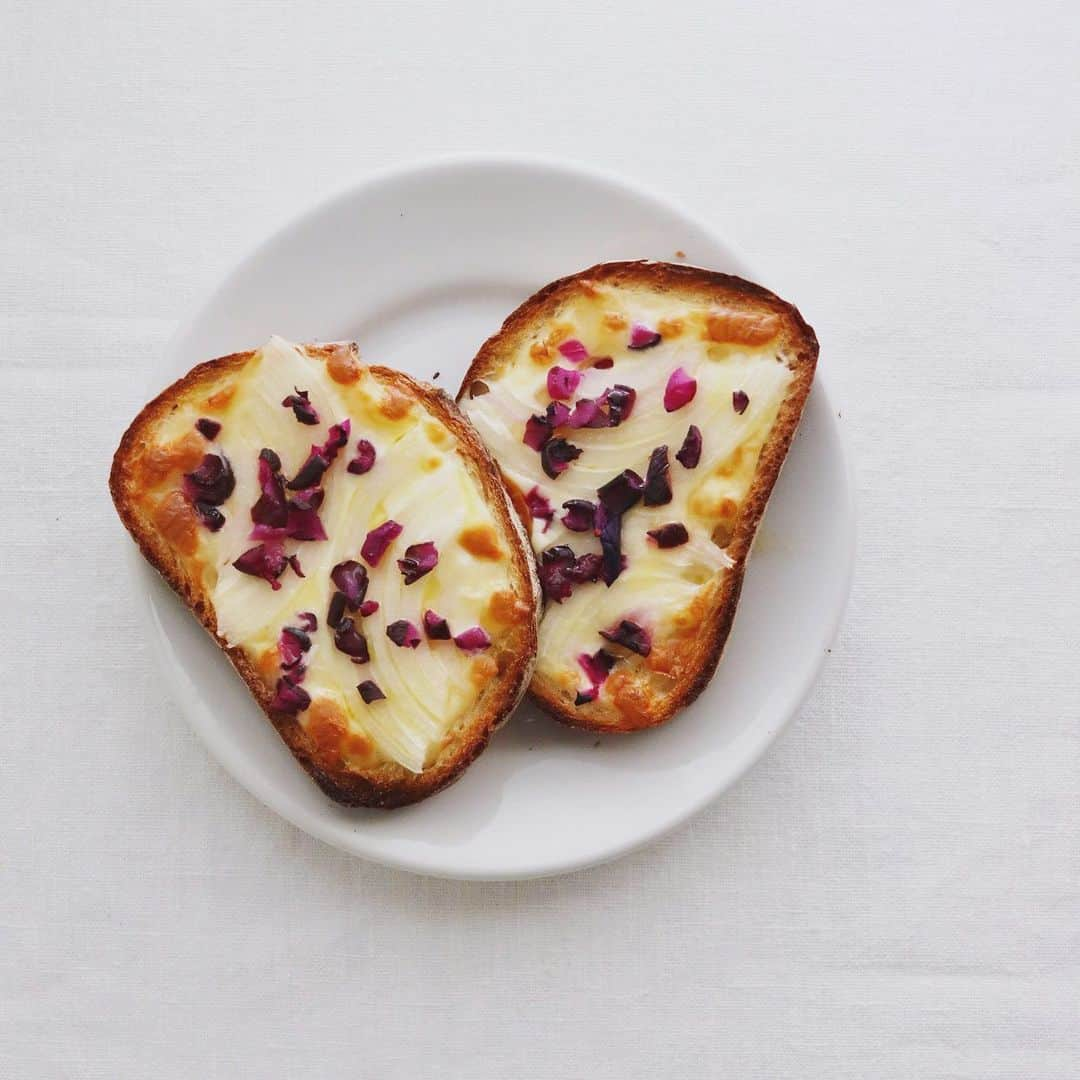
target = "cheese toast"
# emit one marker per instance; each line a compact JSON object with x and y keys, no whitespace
{"x":640,"y":413}
{"x":343,"y":534}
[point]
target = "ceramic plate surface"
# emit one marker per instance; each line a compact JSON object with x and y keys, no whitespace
{"x":419,"y":266}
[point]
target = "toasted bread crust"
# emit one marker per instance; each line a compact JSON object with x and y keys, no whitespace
{"x":386,"y":784}
{"x":797,"y":340}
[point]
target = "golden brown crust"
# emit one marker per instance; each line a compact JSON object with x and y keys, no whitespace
{"x":636,"y":702}
{"x":382,"y":784}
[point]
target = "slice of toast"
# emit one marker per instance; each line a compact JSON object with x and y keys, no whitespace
{"x":343,"y":534}
{"x":640,"y":413}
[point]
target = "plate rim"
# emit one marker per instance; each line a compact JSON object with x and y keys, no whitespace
{"x":313,"y":824}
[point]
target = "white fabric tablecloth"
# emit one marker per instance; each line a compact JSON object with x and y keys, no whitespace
{"x":893,"y":892}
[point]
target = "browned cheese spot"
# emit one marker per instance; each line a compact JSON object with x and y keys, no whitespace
{"x":741,"y":327}
{"x":394,"y":405}
{"x":481,"y":541}
{"x":482,"y":670}
{"x":559,"y":333}
{"x":220,"y":398}
{"x":268,"y":662}
{"x":160,"y":463}
{"x":664,"y":661}
{"x":630,"y":696}
{"x":175,"y":518}
{"x":688,"y":622}
{"x":358,"y":746}
{"x":326,"y":728}
{"x":342,"y":365}
{"x":437,"y":433}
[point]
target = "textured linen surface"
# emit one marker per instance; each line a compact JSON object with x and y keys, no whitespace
{"x":893,"y":891}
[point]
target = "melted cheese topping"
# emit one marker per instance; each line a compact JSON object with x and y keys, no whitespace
{"x":657,"y":584}
{"x":418,"y":480}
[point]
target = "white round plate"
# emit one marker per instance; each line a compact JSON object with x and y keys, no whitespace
{"x":420,"y":265}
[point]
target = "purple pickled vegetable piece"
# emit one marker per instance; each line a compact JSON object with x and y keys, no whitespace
{"x":308,"y":499}
{"x":554,"y":563}
{"x":539,"y":507}
{"x":586,"y":567}
{"x":336,"y":612}
{"x":289,"y":697}
{"x":304,"y":522}
{"x":690,"y":452}
{"x":680,"y":390}
{"x":337,"y":438}
{"x":207,"y":428}
{"x":658,"y":479}
{"x":473,"y":640}
{"x":436,"y":627}
{"x":292,"y":644}
{"x":321,"y":458}
{"x":574,"y":351}
{"x":309,"y":622}
{"x":556,"y":456}
{"x":556,"y":414}
{"x":585,"y":696}
{"x":268,"y":532}
{"x":351,"y":578}
{"x":404,"y":634}
{"x":621,"y":492}
{"x":597,"y":666}
{"x":601,"y":419}
{"x":620,"y":403}
{"x":642,"y":337}
{"x":587,"y":413}
{"x":630,"y":636}
{"x":603,"y":362}
{"x":671,"y":535}
{"x":420,"y":559}
{"x":539,"y":429}
{"x":560,"y":571}
{"x":611,"y":548}
{"x":562,"y":383}
{"x":351,"y":642}
{"x":368,"y":607}
{"x":271,"y":509}
{"x":299,"y":635}
{"x":212,"y":482}
{"x":365,"y":458}
{"x":271,"y":459}
{"x":302,"y":408}
{"x":294,"y":562}
{"x":580,"y":515}
{"x":267,"y":561}
{"x":537,"y":432}
{"x":378,"y":540}
{"x":739,"y":401}
{"x":209,"y":515}
{"x":311,"y":472}
{"x":369,"y":691}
